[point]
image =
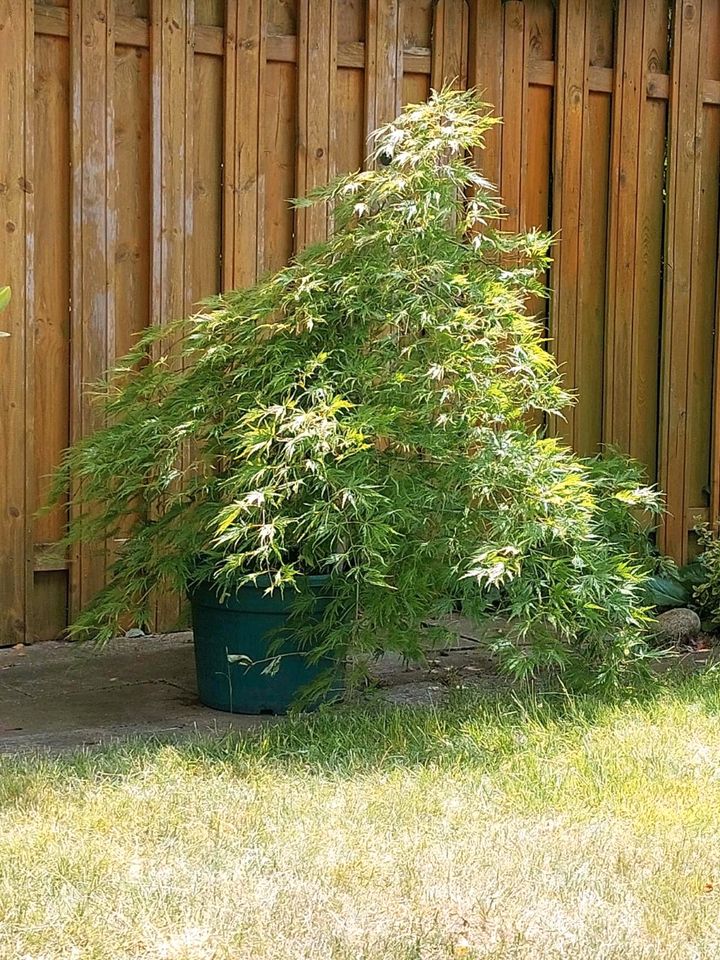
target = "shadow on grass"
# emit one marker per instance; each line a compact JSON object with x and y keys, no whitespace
{"x":473,"y":731}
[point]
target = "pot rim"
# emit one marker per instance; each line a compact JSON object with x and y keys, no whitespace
{"x":262,"y":582}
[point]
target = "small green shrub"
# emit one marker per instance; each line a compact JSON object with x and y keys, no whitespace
{"x":706,"y":588}
{"x":363,"y":412}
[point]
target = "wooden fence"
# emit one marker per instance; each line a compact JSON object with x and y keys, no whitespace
{"x":149,"y":148}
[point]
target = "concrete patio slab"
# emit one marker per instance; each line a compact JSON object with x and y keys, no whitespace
{"x":56,"y":695}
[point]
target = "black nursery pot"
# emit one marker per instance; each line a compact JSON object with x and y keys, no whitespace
{"x":244,"y":625}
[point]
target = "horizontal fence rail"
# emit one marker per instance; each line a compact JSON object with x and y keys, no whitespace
{"x":150,"y":147}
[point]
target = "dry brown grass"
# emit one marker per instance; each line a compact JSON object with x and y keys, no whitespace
{"x":501,"y":830}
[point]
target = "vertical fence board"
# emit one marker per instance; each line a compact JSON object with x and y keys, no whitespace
{"x":592,"y":253}
{"x":172,"y":43}
{"x":418,"y":33}
{"x":539,"y":47}
{"x":349,"y":122}
{"x":92,"y":47}
{"x":207,"y":177}
{"x":132,"y":92}
{"x":680,"y":254}
{"x":51,"y":120}
{"x":133,"y":165}
{"x":712,"y":36}
{"x":580,"y":174}
{"x":243,"y":235}
{"x":349,"y":116}
{"x":537,"y":116}
{"x":317,"y":75}
{"x":629,"y":100}
{"x":514,"y":142}
{"x":593,"y":232}
{"x":278,"y":163}
{"x":485,"y":74}
{"x":16,"y":213}
{"x":449,"y":44}
{"x":635,"y":243}
{"x":703,"y":294}
{"x":571,"y":98}
{"x":383,"y":63}
{"x":700,"y":360}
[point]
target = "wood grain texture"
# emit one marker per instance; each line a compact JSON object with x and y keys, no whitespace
{"x":317,"y":81}
{"x":169,"y":149}
{"x":349,"y":119}
{"x":635,"y":236}
{"x":207,"y":143}
{"x":515,"y":100}
{"x":485,"y":74}
{"x":278,"y":163}
{"x":571,"y":122}
{"x":51,"y":362}
{"x":16,"y":352}
{"x":536,"y":139}
{"x":580,"y":184}
{"x":245,"y":66}
{"x":133,"y":171}
{"x":591,"y":273}
{"x":534,"y":162}
{"x":383,"y":64}
{"x":703,"y":303}
{"x":172,"y":55}
{"x":449,"y":44}
{"x":92,"y":52}
{"x":681,"y":252}
{"x":704,"y":477}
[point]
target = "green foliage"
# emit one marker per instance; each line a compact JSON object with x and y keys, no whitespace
{"x":666,"y":592}
{"x":706,"y":588}
{"x":4,"y":301}
{"x":363,"y":412}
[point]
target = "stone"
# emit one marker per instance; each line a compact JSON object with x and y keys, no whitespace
{"x":678,"y":626}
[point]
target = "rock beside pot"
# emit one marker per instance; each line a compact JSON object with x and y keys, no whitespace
{"x":679,"y":626}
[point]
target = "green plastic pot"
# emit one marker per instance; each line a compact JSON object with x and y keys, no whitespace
{"x":243,"y":626}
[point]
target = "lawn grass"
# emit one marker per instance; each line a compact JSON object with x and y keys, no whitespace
{"x":528,"y":829}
